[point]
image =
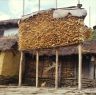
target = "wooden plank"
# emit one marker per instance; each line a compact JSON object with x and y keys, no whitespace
{"x":37,"y":67}
{"x":56,"y":71}
{"x":20,"y":69}
{"x":79,"y":67}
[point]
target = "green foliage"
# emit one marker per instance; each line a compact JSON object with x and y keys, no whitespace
{"x":94,"y":35}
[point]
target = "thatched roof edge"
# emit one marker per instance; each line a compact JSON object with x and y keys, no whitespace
{"x":8,"y":43}
{"x":88,"y":47}
{"x":9,"y":23}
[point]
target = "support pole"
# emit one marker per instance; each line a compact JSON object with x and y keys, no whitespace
{"x":37,"y":67}
{"x":79,"y":67}
{"x":23,"y":7}
{"x":89,"y":16}
{"x":20,"y":69}
{"x":78,"y":1}
{"x":39,"y":5}
{"x":56,"y":4}
{"x":56,"y":73}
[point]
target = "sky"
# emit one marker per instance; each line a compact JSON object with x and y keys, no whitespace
{"x":13,"y":9}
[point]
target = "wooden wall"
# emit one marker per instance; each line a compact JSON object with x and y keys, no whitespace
{"x":68,"y":70}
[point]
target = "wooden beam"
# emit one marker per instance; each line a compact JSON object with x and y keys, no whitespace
{"x":20,"y":69}
{"x":79,"y":67}
{"x":56,"y":71}
{"x":37,"y":67}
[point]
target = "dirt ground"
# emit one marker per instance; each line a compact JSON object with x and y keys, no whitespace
{"x":12,"y":90}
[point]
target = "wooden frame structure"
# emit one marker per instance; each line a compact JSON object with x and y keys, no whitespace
{"x":56,"y":68}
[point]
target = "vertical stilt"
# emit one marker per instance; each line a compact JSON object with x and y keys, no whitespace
{"x":20,"y":69}
{"x":56,"y":73}
{"x":37,"y":67}
{"x":79,"y":67}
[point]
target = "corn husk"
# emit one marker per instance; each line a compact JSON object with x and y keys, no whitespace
{"x":43,"y":31}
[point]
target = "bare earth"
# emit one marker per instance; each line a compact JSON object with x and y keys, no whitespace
{"x":44,"y":91}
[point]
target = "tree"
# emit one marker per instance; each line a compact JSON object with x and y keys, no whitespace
{"x":94,"y":33}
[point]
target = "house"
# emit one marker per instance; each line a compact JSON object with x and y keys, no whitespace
{"x":68,"y":66}
{"x":50,"y":40}
{"x":9,"y":54}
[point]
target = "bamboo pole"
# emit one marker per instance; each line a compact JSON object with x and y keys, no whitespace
{"x":23,"y":6}
{"x":78,"y":1}
{"x":56,"y":71}
{"x":89,"y":16}
{"x":37,"y":67}
{"x":56,"y":4}
{"x":79,"y":67}
{"x":39,"y":5}
{"x":20,"y":69}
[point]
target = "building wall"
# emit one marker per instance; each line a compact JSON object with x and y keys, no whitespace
{"x":68,"y":69}
{"x":9,"y":63}
{"x":87,"y":68}
{"x":10,"y":32}
{"x":1,"y":61}
{"x":68,"y":66}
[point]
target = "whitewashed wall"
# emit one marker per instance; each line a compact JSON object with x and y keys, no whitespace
{"x":11,"y":32}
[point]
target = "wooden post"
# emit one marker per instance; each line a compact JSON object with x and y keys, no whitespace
{"x":79,"y":67}
{"x":20,"y":69}
{"x":56,"y":73}
{"x":37,"y":67}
